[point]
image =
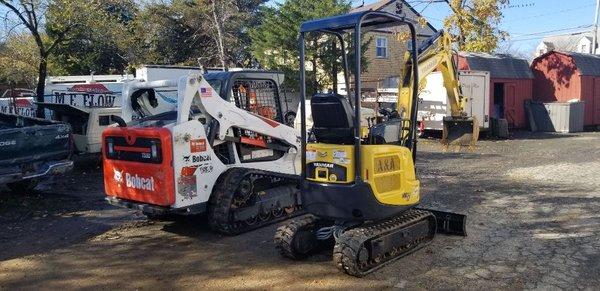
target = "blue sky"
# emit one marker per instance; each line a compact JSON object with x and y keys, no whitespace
{"x":527,"y":21}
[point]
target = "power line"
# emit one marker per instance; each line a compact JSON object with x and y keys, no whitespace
{"x":554,"y":30}
{"x":551,"y":13}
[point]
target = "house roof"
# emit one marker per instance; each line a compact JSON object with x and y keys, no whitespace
{"x":588,"y":64}
{"x":373,"y":6}
{"x":382,"y":5}
{"x":499,"y":65}
{"x":566,"y":42}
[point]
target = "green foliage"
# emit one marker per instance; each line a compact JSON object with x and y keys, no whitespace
{"x":94,"y":45}
{"x":474,"y":24}
{"x":275,"y":41}
{"x":18,"y":60}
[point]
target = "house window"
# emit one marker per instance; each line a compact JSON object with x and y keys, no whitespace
{"x":382,"y":47}
{"x":584,"y":48}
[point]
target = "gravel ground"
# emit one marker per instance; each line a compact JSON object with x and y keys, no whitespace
{"x":533,"y":220}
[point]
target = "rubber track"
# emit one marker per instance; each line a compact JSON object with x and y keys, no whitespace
{"x":219,"y":208}
{"x":285,"y":234}
{"x":349,"y":245}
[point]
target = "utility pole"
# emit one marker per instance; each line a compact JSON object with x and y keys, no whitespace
{"x":595,"y":36}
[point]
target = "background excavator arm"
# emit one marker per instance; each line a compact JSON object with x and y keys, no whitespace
{"x":435,"y":54}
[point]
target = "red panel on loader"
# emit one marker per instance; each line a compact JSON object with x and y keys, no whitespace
{"x":138,"y":165}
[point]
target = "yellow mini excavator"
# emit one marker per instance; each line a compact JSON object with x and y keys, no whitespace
{"x":362,"y":193}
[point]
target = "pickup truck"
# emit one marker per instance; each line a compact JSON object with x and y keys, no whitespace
{"x":31,"y":149}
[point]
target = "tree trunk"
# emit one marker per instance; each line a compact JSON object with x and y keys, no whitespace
{"x":315,"y":81}
{"x":334,"y":72}
{"x":219,"y":27}
{"x":41,"y":84}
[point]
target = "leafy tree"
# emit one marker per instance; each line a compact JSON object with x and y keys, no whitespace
{"x":226,"y":25}
{"x":18,"y":59}
{"x":68,"y":17}
{"x":474,"y":24}
{"x":275,"y":41}
{"x":95,"y":48}
{"x":164,"y":33}
{"x":185,"y":32}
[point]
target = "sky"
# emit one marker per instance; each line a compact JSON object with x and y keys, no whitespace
{"x":526,"y":21}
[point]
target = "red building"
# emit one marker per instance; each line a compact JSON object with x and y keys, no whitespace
{"x":564,"y":76}
{"x":511,"y":84}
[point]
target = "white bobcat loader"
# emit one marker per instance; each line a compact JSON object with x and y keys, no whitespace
{"x":225,"y":151}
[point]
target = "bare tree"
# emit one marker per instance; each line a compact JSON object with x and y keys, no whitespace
{"x":31,"y":15}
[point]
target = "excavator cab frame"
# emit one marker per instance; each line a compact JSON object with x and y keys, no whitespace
{"x":339,"y":26}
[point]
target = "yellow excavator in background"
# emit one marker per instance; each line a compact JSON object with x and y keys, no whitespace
{"x":362,"y":192}
{"x":436,"y":54}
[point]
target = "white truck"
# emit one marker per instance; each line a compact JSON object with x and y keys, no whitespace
{"x":87,"y":102}
{"x":18,"y":101}
{"x":433,"y":99}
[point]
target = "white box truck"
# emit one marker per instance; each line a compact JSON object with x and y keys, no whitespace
{"x":87,"y":102}
{"x":475,"y":86}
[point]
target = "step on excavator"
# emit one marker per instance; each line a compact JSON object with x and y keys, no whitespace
{"x":362,"y":194}
{"x":223,"y":151}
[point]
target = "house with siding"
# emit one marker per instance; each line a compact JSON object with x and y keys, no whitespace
{"x":579,"y":42}
{"x":385,"y":53}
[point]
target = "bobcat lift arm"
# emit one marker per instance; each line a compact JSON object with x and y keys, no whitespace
{"x":436,"y":54}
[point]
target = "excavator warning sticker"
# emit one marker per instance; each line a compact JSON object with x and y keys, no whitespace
{"x":311,"y":155}
{"x":197,"y":145}
{"x":206,"y":92}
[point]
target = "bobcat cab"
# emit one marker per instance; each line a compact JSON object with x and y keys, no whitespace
{"x":361,"y":192}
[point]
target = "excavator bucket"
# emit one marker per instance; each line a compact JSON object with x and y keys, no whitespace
{"x":460,"y":132}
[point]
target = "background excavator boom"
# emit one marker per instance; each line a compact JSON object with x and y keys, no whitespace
{"x":436,"y":54}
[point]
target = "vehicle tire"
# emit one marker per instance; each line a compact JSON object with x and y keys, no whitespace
{"x":23,"y":186}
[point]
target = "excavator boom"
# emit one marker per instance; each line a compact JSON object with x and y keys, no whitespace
{"x":436,"y":54}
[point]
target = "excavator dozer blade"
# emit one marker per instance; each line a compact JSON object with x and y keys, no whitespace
{"x":460,"y":132}
{"x":449,"y":223}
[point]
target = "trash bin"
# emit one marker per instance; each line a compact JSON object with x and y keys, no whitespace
{"x":558,"y":117}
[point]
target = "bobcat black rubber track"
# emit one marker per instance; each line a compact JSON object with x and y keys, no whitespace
{"x":352,"y":255}
{"x":221,"y":208}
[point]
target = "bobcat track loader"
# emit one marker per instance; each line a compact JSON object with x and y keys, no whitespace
{"x":224,"y":151}
{"x":362,"y":193}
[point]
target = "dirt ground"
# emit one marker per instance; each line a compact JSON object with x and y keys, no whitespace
{"x":533,"y":206}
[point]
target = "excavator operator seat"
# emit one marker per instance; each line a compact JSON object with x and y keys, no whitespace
{"x":333,"y":119}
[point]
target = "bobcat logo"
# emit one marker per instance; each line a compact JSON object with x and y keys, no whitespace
{"x":186,"y":159}
{"x":118,"y":176}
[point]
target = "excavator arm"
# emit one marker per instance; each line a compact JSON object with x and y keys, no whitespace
{"x":435,"y":54}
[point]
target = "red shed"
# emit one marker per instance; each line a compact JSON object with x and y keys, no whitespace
{"x":564,"y":76}
{"x":511,"y":84}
